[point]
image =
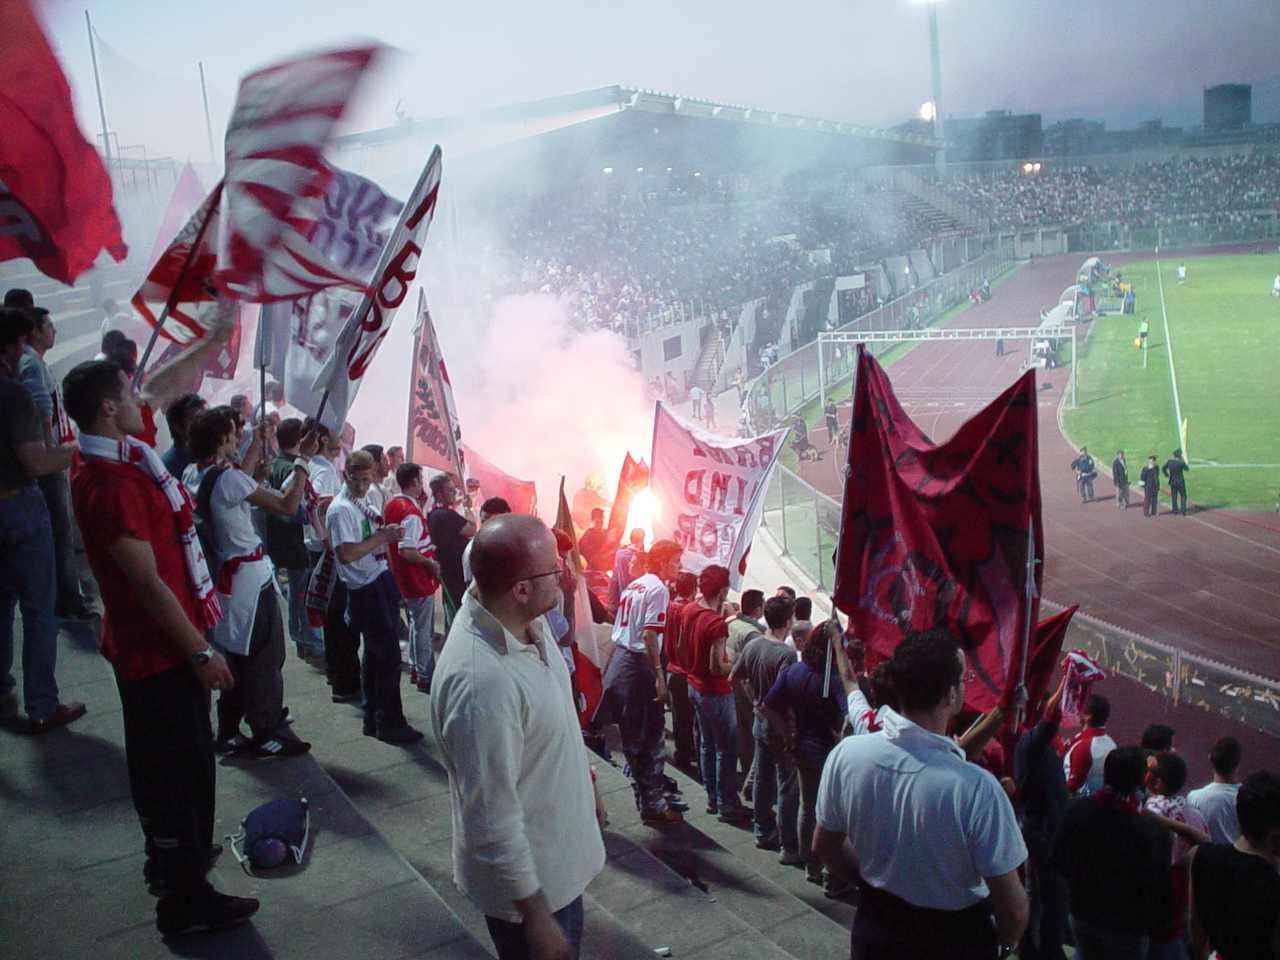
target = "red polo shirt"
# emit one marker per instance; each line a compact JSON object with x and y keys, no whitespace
{"x":115,"y":501}
{"x":703,"y":628}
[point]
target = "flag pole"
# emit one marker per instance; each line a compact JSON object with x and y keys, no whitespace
{"x":173,"y":293}
{"x":208,"y":125}
{"x":1020,"y":695}
{"x":413,"y":367}
{"x":826,"y":682}
{"x":97,"y":82}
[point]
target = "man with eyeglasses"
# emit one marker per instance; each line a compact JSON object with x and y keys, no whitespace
{"x":520,"y":786}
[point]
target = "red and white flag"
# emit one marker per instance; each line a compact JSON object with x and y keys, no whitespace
{"x":435,"y":439}
{"x":354,"y":221}
{"x":183,"y":278}
{"x":283,"y":118}
{"x":185,"y":200}
{"x":365,"y":329}
{"x":55,"y":193}
{"x":709,"y":491}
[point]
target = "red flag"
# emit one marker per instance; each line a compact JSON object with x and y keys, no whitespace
{"x":589,"y":681}
{"x":1046,"y":650}
{"x":521,"y":495}
{"x":55,"y":194}
{"x":633,"y":478}
{"x":936,"y":535}
{"x":284,"y":116}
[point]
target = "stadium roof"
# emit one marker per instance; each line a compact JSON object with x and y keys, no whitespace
{"x":537,"y":116}
{"x":688,"y":128}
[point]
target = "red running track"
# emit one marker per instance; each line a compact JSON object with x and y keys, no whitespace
{"x":1208,"y":583}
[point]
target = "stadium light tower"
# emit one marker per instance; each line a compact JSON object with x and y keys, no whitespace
{"x":935,"y":69}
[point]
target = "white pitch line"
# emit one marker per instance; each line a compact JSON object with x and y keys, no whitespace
{"x":1173,"y":377}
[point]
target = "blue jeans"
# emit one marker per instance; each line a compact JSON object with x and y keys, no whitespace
{"x":422,"y":621}
{"x":775,"y":780}
{"x":718,"y":723}
{"x":307,"y":638}
{"x":28,"y":578}
{"x":509,"y":937}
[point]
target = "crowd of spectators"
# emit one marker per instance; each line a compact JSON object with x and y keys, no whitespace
{"x":1142,"y":195}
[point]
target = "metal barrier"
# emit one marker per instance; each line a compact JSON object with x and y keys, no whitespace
{"x":794,"y":380}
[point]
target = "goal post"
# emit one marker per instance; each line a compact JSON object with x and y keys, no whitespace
{"x":826,"y":340}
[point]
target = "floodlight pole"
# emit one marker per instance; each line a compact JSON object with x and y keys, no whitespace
{"x":1075,"y":366}
{"x":935,"y":65}
{"x":822,"y":376}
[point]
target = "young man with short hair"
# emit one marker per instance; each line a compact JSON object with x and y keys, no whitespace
{"x":683,"y":727}
{"x":417,"y":574}
{"x":286,"y":542}
{"x":909,"y":787}
{"x":712,"y":694}
{"x":1116,"y":862}
{"x":1175,"y":468}
{"x":35,"y":376}
{"x":27,"y":566}
{"x":634,"y":685}
{"x":450,"y":532}
{"x":746,"y":625}
{"x":753,"y":675}
{"x":493,"y":507}
{"x":1235,"y":890}
{"x":1150,"y":478}
{"x":1085,"y":755}
{"x":1216,"y":800}
{"x":360,"y":541}
{"x":377,"y":496}
{"x":1120,"y":479}
{"x":251,"y":632}
{"x":159,"y":600}
{"x":178,"y":416}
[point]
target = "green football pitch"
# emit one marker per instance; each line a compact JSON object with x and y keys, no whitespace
{"x":1223,"y":336}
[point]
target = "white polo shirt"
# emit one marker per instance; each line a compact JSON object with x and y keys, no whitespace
{"x":326,"y":483}
{"x":642,"y":606}
{"x":347,"y":523}
{"x":519,"y":782}
{"x":926,"y":825}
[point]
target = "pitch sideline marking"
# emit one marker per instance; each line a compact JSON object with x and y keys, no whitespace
{"x":1173,"y":377}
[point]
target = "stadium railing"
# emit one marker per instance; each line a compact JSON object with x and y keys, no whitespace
{"x":805,"y":522}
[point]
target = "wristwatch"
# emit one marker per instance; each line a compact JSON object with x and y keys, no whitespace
{"x":202,"y":657}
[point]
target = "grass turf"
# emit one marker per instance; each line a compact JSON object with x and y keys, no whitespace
{"x":1224,"y":326}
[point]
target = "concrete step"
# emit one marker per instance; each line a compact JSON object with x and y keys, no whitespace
{"x":777,"y":906}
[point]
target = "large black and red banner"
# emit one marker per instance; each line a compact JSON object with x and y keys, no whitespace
{"x":937,"y":534}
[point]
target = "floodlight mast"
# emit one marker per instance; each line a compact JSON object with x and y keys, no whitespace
{"x":935,"y":67}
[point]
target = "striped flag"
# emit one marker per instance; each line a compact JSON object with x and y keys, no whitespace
{"x":284,"y":116}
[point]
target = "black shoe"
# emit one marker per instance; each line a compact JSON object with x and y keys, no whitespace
{"x":770,"y":842}
{"x":347,"y":696}
{"x":277,"y":746}
{"x":712,"y":809}
{"x":791,"y":858}
{"x":401,"y":734}
{"x":77,"y":614}
{"x":675,"y":803}
{"x":737,"y":815}
{"x":231,"y":744}
{"x":204,"y":912}
{"x":369,"y":728}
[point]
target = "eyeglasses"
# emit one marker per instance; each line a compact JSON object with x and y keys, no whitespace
{"x":539,"y":576}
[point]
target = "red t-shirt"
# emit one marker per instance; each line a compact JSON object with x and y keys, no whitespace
{"x":703,"y":629}
{"x":676,"y":648}
{"x":413,"y":580}
{"x":115,"y":501}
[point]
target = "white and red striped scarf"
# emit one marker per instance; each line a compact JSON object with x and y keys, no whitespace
{"x":143,"y":457}
{"x":1082,"y":673}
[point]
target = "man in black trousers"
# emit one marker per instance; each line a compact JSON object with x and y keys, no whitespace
{"x":1120,"y":477}
{"x":1175,"y":468}
{"x":1150,"y":478}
